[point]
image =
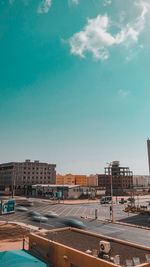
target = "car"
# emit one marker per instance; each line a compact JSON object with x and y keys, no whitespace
{"x":51,"y":214}
{"x":122,"y":201}
{"x":39,"y":219}
{"x":33,"y":213}
{"x":106,"y":200}
{"x":74,"y":223}
{"x":20,"y":208}
{"x":25,"y":203}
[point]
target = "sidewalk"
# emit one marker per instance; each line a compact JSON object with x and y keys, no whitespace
{"x":79,"y":201}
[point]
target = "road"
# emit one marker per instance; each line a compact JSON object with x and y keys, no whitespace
{"x":123,"y":232}
{"x":79,"y":210}
{"x":86,"y":213}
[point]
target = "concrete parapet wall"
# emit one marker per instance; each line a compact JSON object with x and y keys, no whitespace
{"x":62,"y":256}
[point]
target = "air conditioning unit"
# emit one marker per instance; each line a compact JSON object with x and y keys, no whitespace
{"x":104,"y":247}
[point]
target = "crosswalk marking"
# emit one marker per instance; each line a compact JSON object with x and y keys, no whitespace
{"x":66,"y":210}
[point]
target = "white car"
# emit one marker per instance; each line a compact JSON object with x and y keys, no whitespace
{"x":20,"y":208}
{"x":51,"y":214}
{"x":39,"y":219}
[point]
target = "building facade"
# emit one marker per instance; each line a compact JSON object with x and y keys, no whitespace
{"x":20,"y":176}
{"x":141,"y":181}
{"x":121,"y":179}
{"x":65,"y":179}
{"x":81,"y":180}
{"x":92,"y":180}
{"x":62,"y":191}
{"x":74,"y":179}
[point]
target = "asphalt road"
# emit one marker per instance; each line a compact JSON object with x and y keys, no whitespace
{"x":86,"y":213}
{"x":79,"y":210}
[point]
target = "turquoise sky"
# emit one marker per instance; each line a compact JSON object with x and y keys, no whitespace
{"x":75,"y":83}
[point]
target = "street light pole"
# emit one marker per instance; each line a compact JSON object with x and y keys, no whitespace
{"x":112,"y":204}
{"x":111,"y":191}
{"x":13,"y":186}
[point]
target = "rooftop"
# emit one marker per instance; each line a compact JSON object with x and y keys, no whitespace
{"x":83,"y":241}
{"x":55,"y":185}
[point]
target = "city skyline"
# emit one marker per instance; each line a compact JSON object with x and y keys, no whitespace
{"x":74,"y":83}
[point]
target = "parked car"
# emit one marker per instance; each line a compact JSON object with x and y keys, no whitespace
{"x":122,"y":201}
{"x":106,"y":200}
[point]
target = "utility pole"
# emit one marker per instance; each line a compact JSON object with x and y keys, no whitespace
{"x":112,"y":203}
{"x":13,"y":186}
{"x":111,"y":191}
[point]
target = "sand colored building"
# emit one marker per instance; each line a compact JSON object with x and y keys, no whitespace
{"x":20,"y":176}
{"x":92,"y":180}
{"x":74,"y":179}
{"x":81,"y":180}
{"x":65,"y":179}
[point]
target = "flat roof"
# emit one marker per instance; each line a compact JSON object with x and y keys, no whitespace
{"x":84,"y":240}
{"x":55,"y":185}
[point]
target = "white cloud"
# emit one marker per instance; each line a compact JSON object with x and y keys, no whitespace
{"x":96,"y":36}
{"x":123,"y":93}
{"x":44,"y":6}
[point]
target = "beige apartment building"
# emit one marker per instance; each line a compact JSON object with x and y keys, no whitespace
{"x":20,"y":176}
{"x":81,"y":180}
{"x":65,"y":179}
{"x":141,"y":181}
{"x":92,"y":180}
{"x":74,"y":179}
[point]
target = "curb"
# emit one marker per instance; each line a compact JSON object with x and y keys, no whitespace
{"x":116,"y":222}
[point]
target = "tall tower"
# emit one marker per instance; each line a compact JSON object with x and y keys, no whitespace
{"x":148,"y":150}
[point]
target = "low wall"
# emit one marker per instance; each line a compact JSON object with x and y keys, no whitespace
{"x":59,"y":255}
